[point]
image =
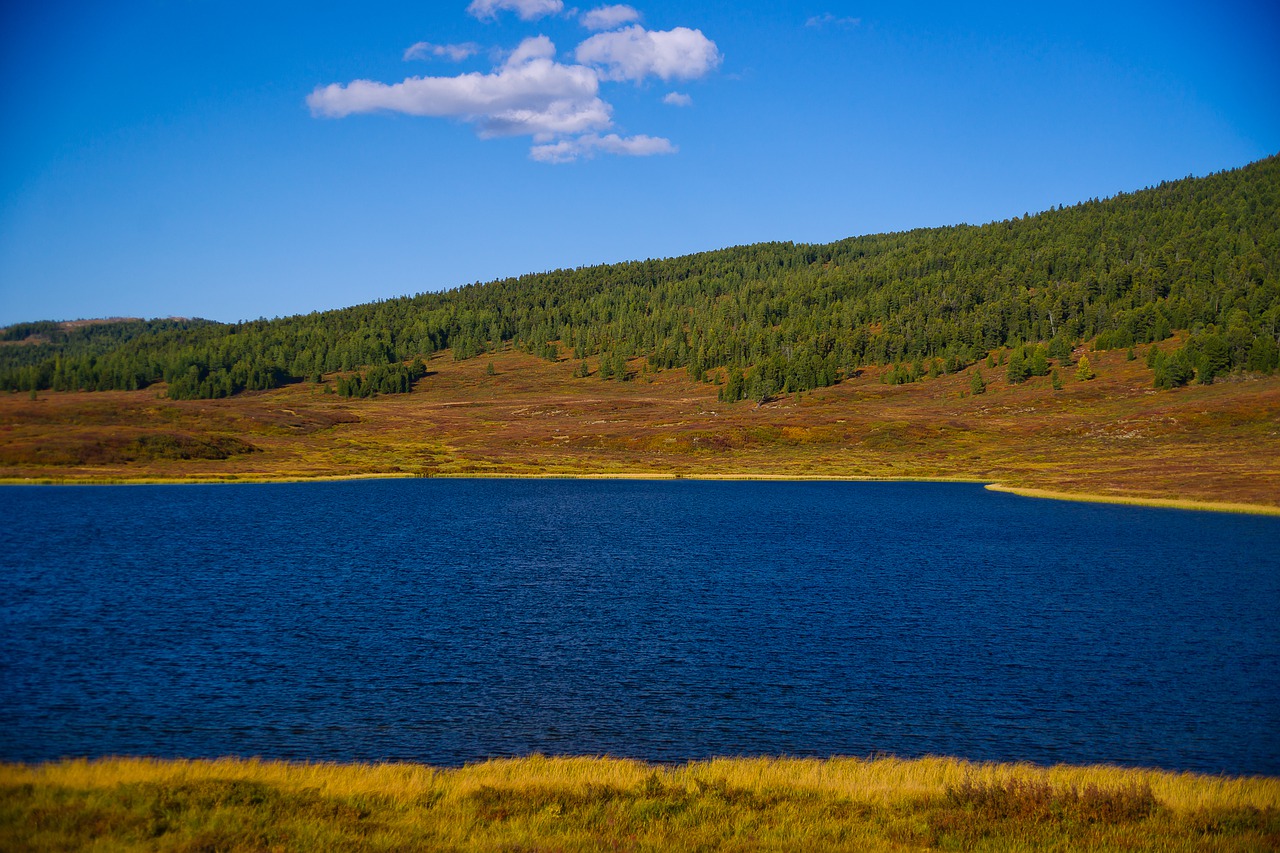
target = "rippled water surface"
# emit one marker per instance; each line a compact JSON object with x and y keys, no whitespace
{"x":448,"y":621}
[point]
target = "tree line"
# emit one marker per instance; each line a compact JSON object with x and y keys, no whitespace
{"x":1197,"y":255}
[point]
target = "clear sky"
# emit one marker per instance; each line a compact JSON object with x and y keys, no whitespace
{"x":231,"y":160}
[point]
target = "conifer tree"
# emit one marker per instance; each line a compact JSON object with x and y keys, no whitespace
{"x":1084,"y":371}
{"x":1017,"y":371}
{"x":1038,"y":364}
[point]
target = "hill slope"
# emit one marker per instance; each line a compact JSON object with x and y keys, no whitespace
{"x":1112,"y":436}
{"x":1200,"y":255}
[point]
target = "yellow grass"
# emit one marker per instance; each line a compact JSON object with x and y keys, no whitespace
{"x":879,"y":780}
{"x":1165,"y":503}
{"x":604,"y":803}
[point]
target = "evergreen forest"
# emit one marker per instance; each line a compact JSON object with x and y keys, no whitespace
{"x":1198,"y":256}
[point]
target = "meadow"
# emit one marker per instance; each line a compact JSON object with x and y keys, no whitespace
{"x":540,"y":803}
{"x":512,"y":414}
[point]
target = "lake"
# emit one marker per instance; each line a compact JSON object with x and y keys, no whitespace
{"x":448,"y":621}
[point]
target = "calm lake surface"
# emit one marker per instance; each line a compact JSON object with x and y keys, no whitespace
{"x":447,"y":621}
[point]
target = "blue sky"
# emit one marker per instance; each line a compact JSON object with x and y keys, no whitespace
{"x":220,"y":159}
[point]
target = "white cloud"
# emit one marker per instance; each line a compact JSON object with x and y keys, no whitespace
{"x":568,"y":150}
{"x":609,"y":17}
{"x":530,"y":95}
{"x":635,"y":53}
{"x":538,"y":47}
{"x":544,"y":123}
{"x":528,"y":10}
{"x":453,"y":52}
{"x":827,"y":18}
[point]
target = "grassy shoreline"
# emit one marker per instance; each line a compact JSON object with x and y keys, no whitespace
{"x":1021,"y":491}
{"x":567,"y":803}
{"x":1161,"y":503}
{"x":1113,"y":438}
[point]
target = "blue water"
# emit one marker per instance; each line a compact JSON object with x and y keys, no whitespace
{"x":449,"y":621}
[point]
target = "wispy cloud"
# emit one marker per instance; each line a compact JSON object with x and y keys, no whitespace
{"x":827,"y":19}
{"x":588,"y":145}
{"x":452,"y":52}
{"x":528,"y":10}
{"x":678,"y":99}
{"x":635,"y":53}
{"x":609,"y":17}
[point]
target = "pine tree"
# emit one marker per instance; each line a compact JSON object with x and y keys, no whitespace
{"x":1017,"y":371}
{"x":732,"y":391}
{"x":1038,"y":364}
{"x":1084,"y":372}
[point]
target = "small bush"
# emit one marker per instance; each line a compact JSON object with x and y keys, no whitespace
{"x":1040,"y":801}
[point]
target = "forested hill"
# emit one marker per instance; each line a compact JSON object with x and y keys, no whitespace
{"x":1199,"y":254}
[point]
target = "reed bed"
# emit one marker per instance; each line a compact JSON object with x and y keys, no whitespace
{"x":541,"y":803}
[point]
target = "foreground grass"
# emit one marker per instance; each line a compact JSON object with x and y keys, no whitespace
{"x":541,"y":803}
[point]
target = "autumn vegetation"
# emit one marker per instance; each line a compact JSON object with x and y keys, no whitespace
{"x":1112,"y":435}
{"x":539,"y":803}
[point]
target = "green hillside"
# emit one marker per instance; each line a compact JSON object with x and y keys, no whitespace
{"x":1200,"y":255}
